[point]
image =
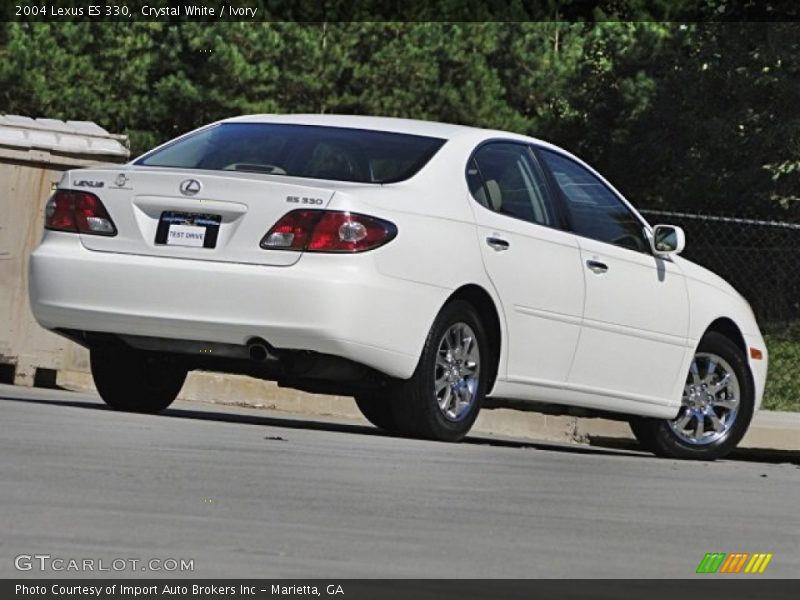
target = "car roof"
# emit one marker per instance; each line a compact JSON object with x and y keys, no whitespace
{"x":410,"y":126}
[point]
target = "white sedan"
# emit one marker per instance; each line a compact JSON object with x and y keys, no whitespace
{"x":426,"y":269}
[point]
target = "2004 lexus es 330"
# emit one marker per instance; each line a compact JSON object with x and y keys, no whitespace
{"x":426,"y":269}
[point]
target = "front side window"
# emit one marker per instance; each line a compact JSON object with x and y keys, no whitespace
{"x":504,"y":177}
{"x":596,"y":212}
{"x":318,"y":152}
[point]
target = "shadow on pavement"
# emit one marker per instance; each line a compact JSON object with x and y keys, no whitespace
{"x":761,"y":455}
{"x":599,"y":446}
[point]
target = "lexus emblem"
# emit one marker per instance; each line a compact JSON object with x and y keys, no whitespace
{"x":190,"y":187}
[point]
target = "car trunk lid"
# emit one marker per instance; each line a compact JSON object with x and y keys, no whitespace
{"x":199,"y":215}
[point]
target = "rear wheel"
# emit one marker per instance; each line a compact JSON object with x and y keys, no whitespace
{"x":135,"y":381}
{"x":442,"y":399}
{"x":377,"y":409}
{"x":716,"y":408}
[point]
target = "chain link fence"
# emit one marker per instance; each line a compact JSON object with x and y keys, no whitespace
{"x":761,"y":259}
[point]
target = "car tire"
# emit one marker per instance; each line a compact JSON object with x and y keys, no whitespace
{"x":444,"y":395}
{"x":377,"y":409}
{"x":134,"y":381}
{"x":716,"y":408}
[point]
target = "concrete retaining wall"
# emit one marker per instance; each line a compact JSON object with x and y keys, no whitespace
{"x":33,"y":155}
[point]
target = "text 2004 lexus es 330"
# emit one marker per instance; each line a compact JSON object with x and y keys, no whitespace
{"x":426,"y":269}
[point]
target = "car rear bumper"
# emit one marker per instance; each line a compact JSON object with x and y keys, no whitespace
{"x":333,"y":304}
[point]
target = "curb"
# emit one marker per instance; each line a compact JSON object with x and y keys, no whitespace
{"x":770,"y":430}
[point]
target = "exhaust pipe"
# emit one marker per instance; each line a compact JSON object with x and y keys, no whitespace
{"x":260,"y":351}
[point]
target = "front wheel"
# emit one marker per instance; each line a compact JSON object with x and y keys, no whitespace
{"x":442,"y":399}
{"x":716,"y":408}
{"x":135,"y":381}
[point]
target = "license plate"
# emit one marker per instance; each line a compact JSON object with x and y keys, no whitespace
{"x":194,"y":230}
{"x":186,"y":235}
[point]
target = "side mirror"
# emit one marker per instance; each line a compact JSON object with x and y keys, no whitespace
{"x":667,"y":240}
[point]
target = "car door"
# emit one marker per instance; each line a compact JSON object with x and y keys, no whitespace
{"x":636,"y":317}
{"x":534,"y":265}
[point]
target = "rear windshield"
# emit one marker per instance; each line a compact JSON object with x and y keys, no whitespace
{"x":337,"y":153}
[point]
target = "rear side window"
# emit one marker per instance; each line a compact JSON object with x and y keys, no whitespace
{"x":505,"y":178}
{"x":596,"y":211}
{"x":338,"y":153}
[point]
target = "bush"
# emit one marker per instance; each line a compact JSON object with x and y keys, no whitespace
{"x":783,"y":380}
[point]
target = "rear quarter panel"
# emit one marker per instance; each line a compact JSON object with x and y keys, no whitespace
{"x":436,"y":243}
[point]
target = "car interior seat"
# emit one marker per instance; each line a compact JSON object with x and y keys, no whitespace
{"x":495,"y":200}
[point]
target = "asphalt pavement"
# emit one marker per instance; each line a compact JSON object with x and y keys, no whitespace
{"x":256,"y":493}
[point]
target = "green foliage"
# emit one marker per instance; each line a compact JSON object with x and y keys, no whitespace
{"x":783,"y":383}
{"x":679,"y":116}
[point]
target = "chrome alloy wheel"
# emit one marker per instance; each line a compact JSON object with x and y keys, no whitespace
{"x":458,"y":367}
{"x":710,"y":401}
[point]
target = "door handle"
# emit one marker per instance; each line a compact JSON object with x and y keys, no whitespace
{"x":595,"y":266}
{"x":497,"y":243}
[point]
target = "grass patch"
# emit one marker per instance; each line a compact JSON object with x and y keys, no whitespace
{"x":783,"y":379}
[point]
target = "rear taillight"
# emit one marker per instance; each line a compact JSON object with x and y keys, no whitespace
{"x":292,"y":231}
{"x":328,"y":231}
{"x":78,"y":212}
